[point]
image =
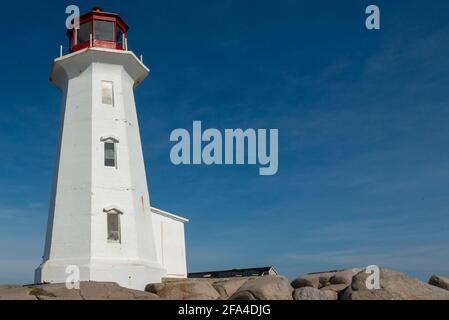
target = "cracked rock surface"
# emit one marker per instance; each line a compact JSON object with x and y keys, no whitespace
{"x":87,"y":291}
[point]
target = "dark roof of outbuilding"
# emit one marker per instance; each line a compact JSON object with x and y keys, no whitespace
{"x":232,"y":273}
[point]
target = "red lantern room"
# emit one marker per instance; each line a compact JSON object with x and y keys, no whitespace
{"x":99,"y":29}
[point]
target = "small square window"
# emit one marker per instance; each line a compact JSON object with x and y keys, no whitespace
{"x":107,"y":92}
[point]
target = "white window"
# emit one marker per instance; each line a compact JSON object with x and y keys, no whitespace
{"x":110,"y":154}
{"x":113,"y":218}
{"x":110,"y":150}
{"x":107,"y":92}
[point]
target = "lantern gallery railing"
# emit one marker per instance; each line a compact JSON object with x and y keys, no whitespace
{"x":92,"y":44}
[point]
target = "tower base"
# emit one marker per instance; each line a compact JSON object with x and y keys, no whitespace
{"x":129,"y":274}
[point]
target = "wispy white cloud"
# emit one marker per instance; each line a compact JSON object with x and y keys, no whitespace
{"x":14,"y":212}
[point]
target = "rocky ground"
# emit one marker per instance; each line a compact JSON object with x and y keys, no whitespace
{"x":349,"y":284}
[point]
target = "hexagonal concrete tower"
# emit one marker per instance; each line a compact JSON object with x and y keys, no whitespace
{"x":100,"y":218}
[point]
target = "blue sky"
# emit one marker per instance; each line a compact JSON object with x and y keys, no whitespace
{"x":362,"y":116}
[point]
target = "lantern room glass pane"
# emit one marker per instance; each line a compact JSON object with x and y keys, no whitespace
{"x":104,"y":30}
{"x":119,"y":36}
{"x":84,"y":32}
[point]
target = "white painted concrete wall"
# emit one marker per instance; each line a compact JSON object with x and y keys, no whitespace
{"x":84,"y":187}
{"x":170,"y":241}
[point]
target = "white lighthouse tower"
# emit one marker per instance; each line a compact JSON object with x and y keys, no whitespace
{"x":100,"y":218}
